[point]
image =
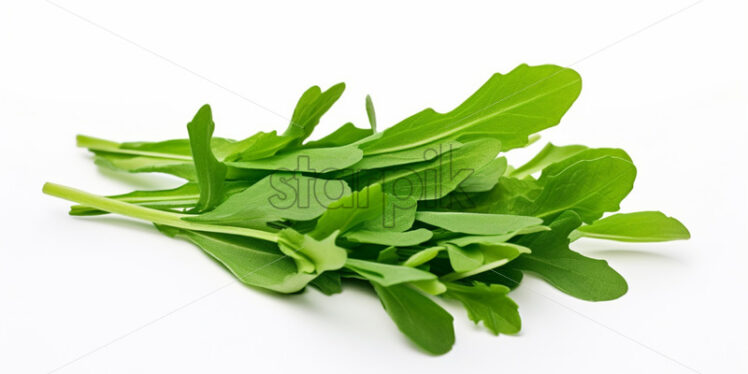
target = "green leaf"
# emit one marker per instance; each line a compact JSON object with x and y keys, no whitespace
{"x":402,"y":239}
{"x":478,"y":223}
{"x":328,"y":283}
{"x":636,"y":227}
{"x":489,"y":304}
{"x":211,"y":173}
{"x":486,"y":177}
{"x":548,"y":155}
{"x":585,"y":155}
{"x":386,"y":274}
{"x":345,"y":135}
{"x":423,"y":256}
{"x":367,"y":210}
{"x":312,"y":160}
{"x":418,"y":317}
{"x":371,"y":114}
{"x":434,"y":179}
{"x":464,"y":259}
{"x":311,"y":106}
{"x":254,"y":262}
{"x":418,"y":154}
{"x":579,"y":276}
{"x":257,"y":146}
{"x":507,"y":108}
{"x":311,"y":255}
{"x":492,"y":256}
{"x":465,"y":240}
{"x":277,"y":197}
{"x":589,"y":187}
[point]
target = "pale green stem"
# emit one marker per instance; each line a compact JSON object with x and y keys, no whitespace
{"x":153,"y":215}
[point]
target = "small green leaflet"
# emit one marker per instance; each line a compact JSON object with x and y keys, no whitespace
{"x":635,"y":227}
{"x":405,"y":238}
{"x":311,"y":255}
{"x":311,"y":106}
{"x":211,"y":173}
{"x":490,"y":304}
{"x":418,"y":317}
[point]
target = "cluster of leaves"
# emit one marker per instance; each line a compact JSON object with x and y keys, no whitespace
{"x":426,"y":208}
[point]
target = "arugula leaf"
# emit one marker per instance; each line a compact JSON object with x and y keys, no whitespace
{"x":387,"y":274}
{"x":507,"y":108}
{"x":478,"y":223}
{"x":406,"y":238}
{"x":311,"y":255}
{"x":254,"y":262}
{"x":257,"y":146}
{"x":329,"y":283}
{"x":492,"y":256}
{"x":211,"y":173}
{"x":274,"y":198}
{"x":589,"y":187}
{"x":648,"y":226}
{"x":579,"y":276}
{"x":489,"y":304}
{"x":314,"y":160}
{"x":345,"y":135}
{"x":436,"y":178}
{"x":418,"y":317}
{"x":548,"y":155}
{"x":311,"y":106}
{"x":423,"y":256}
{"x":486,"y":177}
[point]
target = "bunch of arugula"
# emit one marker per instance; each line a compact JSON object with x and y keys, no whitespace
{"x":426,"y":207}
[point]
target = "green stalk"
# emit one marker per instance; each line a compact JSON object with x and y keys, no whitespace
{"x":96,"y":144}
{"x":153,"y":215}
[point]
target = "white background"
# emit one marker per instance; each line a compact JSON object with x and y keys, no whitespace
{"x":110,"y":295}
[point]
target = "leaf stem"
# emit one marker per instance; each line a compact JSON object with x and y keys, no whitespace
{"x":153,"y":215}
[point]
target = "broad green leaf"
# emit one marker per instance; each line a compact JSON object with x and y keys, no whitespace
{"x":370,"y":114}
{"x":312,"y":160}
{"x":508,"y":108}
{"x":548,"y":155}
{"x":478,"y":223}
{"x":579,"y":276}
{"x":636,"y":227}
{"x":254,"y":262}
{"x":346,"y":134}
{"x":488,"y":303}
{"x":311,"y":106}
{"x":434,"y":179}
{"x":486,"y":177}
{"x":418,"y":317}
{"x":589,"y":187}
{"x":386,"y":274}
{"x":211,"y":173}
{"x":184,"y":196}
{"x":328,"y":283}
{"x":508,"y":196}
{"x":311,"y":255}
{"x":277,"y":197}
{"x":401,"y":239}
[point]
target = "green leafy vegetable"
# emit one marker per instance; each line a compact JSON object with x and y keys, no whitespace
{"x":429,"y":207}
